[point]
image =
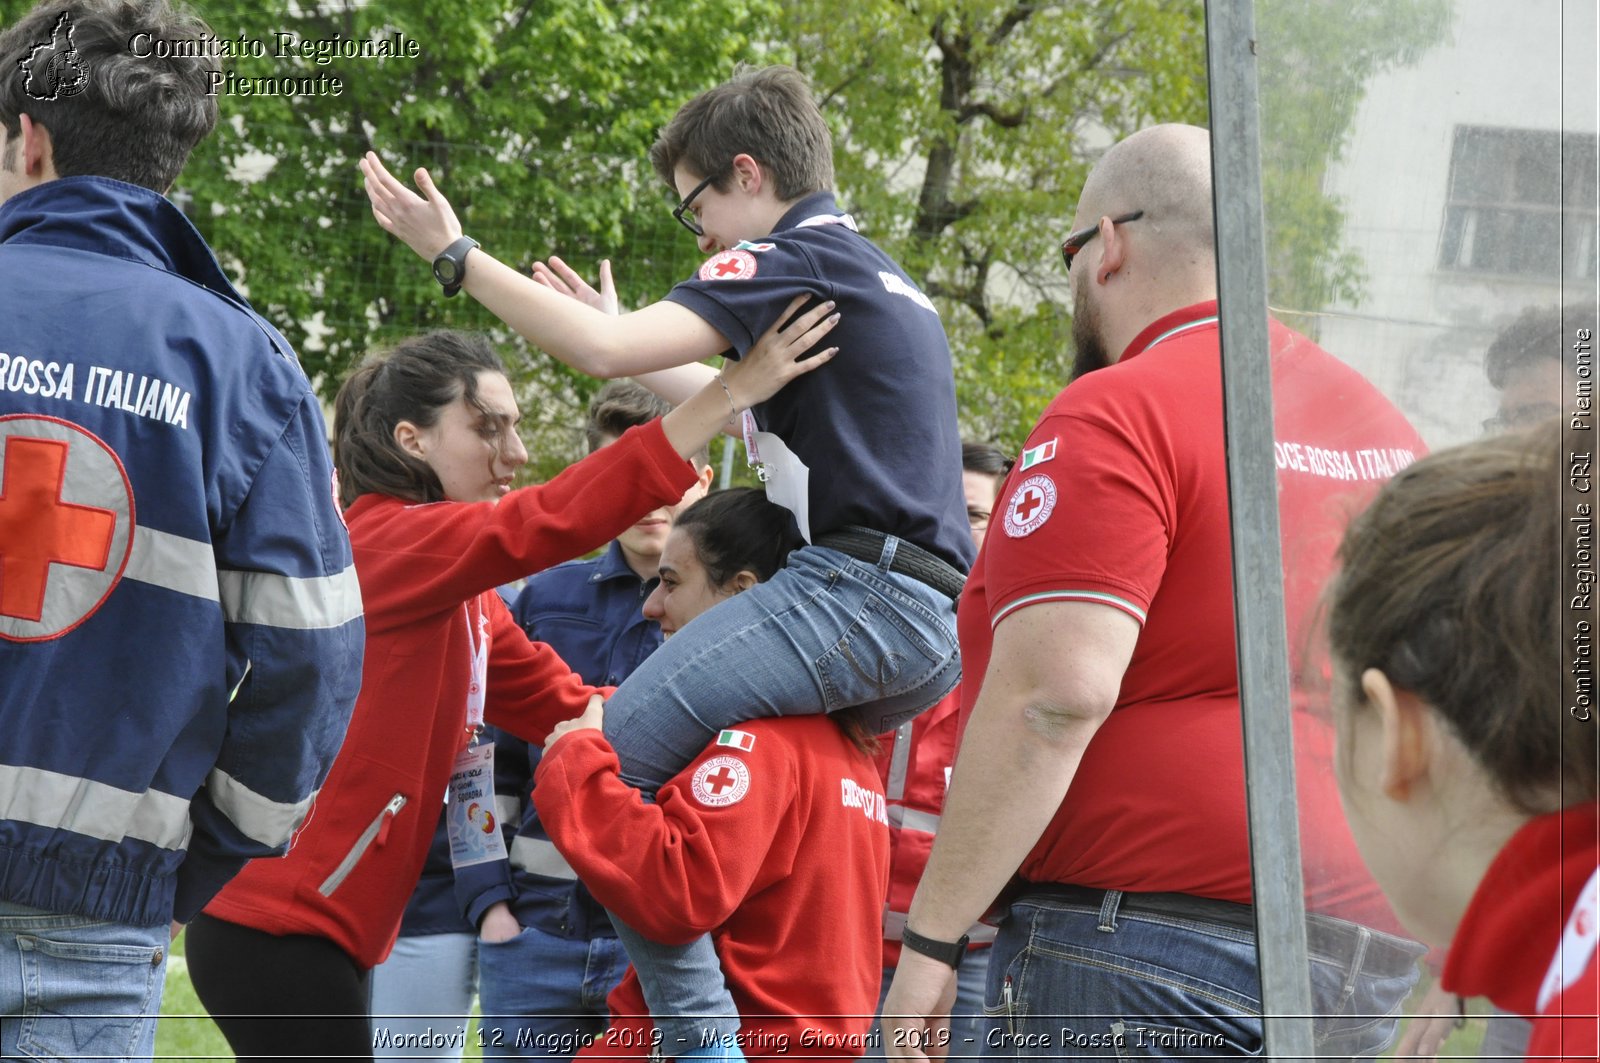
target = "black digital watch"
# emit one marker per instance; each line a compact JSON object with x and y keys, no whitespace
{"x":450,"y":265}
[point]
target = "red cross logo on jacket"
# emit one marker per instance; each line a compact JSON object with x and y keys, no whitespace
{"x":65,"y":507}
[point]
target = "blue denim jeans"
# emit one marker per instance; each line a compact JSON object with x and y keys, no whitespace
{"x":544,"y":996}
{"x":1086,"y":979}
{"x":72,"y":987}
{"x":826,"y":633}
{"x":422,"y":997}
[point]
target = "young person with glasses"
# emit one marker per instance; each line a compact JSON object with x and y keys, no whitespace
{"x":865,"y":454}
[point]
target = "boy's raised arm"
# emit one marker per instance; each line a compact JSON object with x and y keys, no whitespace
{"x":660,"y":336}
{"x":677,"y":384}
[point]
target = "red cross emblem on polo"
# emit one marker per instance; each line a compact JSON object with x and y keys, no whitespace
{"x":1030,"y":506}
{"x":734,"y":265}
{"x":720,"y":781}
{"x":66,"y":526}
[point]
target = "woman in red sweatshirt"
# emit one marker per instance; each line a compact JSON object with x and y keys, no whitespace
{"x":426,"y":448}
{"x":1467,"y":753}
{"x":775,"y":840}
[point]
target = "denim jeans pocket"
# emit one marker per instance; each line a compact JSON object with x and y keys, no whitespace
{"x":1358,"y":1013}
{"x":523,"y":937}
{"x":1141,"y":988}
{"x":893,"y":650}
{"x":90,"y":999}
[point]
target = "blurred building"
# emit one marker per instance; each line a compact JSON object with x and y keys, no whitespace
{"x":1469,"y":191}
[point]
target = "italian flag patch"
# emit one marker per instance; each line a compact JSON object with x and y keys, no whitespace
{"x":1039,"y":455}
{"x":737,"y":739}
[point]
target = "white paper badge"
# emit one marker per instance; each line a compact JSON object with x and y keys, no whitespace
{"x":470,"y":817}
{"x":787,"y":479}
{"x":720,"y":782}
{"x":1030,"y":505}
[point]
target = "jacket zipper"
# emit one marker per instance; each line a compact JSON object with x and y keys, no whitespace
{"x":377,"y":831}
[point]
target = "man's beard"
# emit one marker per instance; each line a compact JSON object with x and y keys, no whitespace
{"x":1088,"y":346}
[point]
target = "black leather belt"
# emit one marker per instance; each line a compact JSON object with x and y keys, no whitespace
{"x":1327,"y":937}
{"x":864,"y":544}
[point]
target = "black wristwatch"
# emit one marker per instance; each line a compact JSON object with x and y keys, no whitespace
{"x":450,"y":265}
{"x":946,"y":952}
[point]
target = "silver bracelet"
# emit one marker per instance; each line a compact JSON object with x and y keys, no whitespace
{"x":733,"y":407}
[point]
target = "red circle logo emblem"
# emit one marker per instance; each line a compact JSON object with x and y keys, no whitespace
{"x":733,"y":265}
{"x":720,"y":781}
{"x":66,"y":526}
{"x":1030,"y":505}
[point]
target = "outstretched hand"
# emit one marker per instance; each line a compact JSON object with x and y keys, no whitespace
{"x":560,"y":277}
{"x":775,"y":359}
{"x":427,"y":226}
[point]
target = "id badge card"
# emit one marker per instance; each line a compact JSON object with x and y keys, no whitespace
{"x":786,"y":478}
{"x":788,"y":481}
{"x":474,"y":830}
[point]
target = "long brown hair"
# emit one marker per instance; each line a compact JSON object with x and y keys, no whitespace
{"x":413,"y":382}
{"x":1451,"y":585}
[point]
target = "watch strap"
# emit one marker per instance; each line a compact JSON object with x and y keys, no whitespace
{"x":950,"y":953}
{"x":456,"y":255}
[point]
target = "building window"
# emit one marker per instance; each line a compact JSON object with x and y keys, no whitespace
{"x":1522,"y":202}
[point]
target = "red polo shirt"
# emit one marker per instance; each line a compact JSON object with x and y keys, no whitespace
{"x":1121,"y":499}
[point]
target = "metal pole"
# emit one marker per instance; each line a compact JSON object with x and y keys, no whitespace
{"x":1257,"y":551}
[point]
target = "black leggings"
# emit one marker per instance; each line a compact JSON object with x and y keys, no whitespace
{"x":289,"y":997}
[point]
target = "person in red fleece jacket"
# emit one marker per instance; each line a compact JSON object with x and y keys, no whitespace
{"x":775,"y":840}
{"x":426,"y":448}
{"x":1466,"y":755}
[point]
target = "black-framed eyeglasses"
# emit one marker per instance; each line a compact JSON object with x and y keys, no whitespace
{"x":681,"y":211}
{"x":1076,"y":241}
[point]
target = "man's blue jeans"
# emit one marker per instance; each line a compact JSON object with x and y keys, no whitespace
{"x":1081,"y":974}
{"x":72,"y":987}
{"x":544,"y":996}
{"x":826,"y":633}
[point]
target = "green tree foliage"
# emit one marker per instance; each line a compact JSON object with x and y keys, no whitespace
{"x":965,"y":129}
{"x":534,"y":117}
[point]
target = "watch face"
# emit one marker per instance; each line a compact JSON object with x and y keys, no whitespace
{"x":446,"y":270}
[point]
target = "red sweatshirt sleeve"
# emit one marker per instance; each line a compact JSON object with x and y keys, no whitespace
{"x":676,"y":869}
{"x":530,"y":689}
{"x":443,"y":553}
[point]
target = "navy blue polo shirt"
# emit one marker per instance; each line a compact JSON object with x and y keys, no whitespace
{"x":876,"y":426}
{"x":590,"y":613}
